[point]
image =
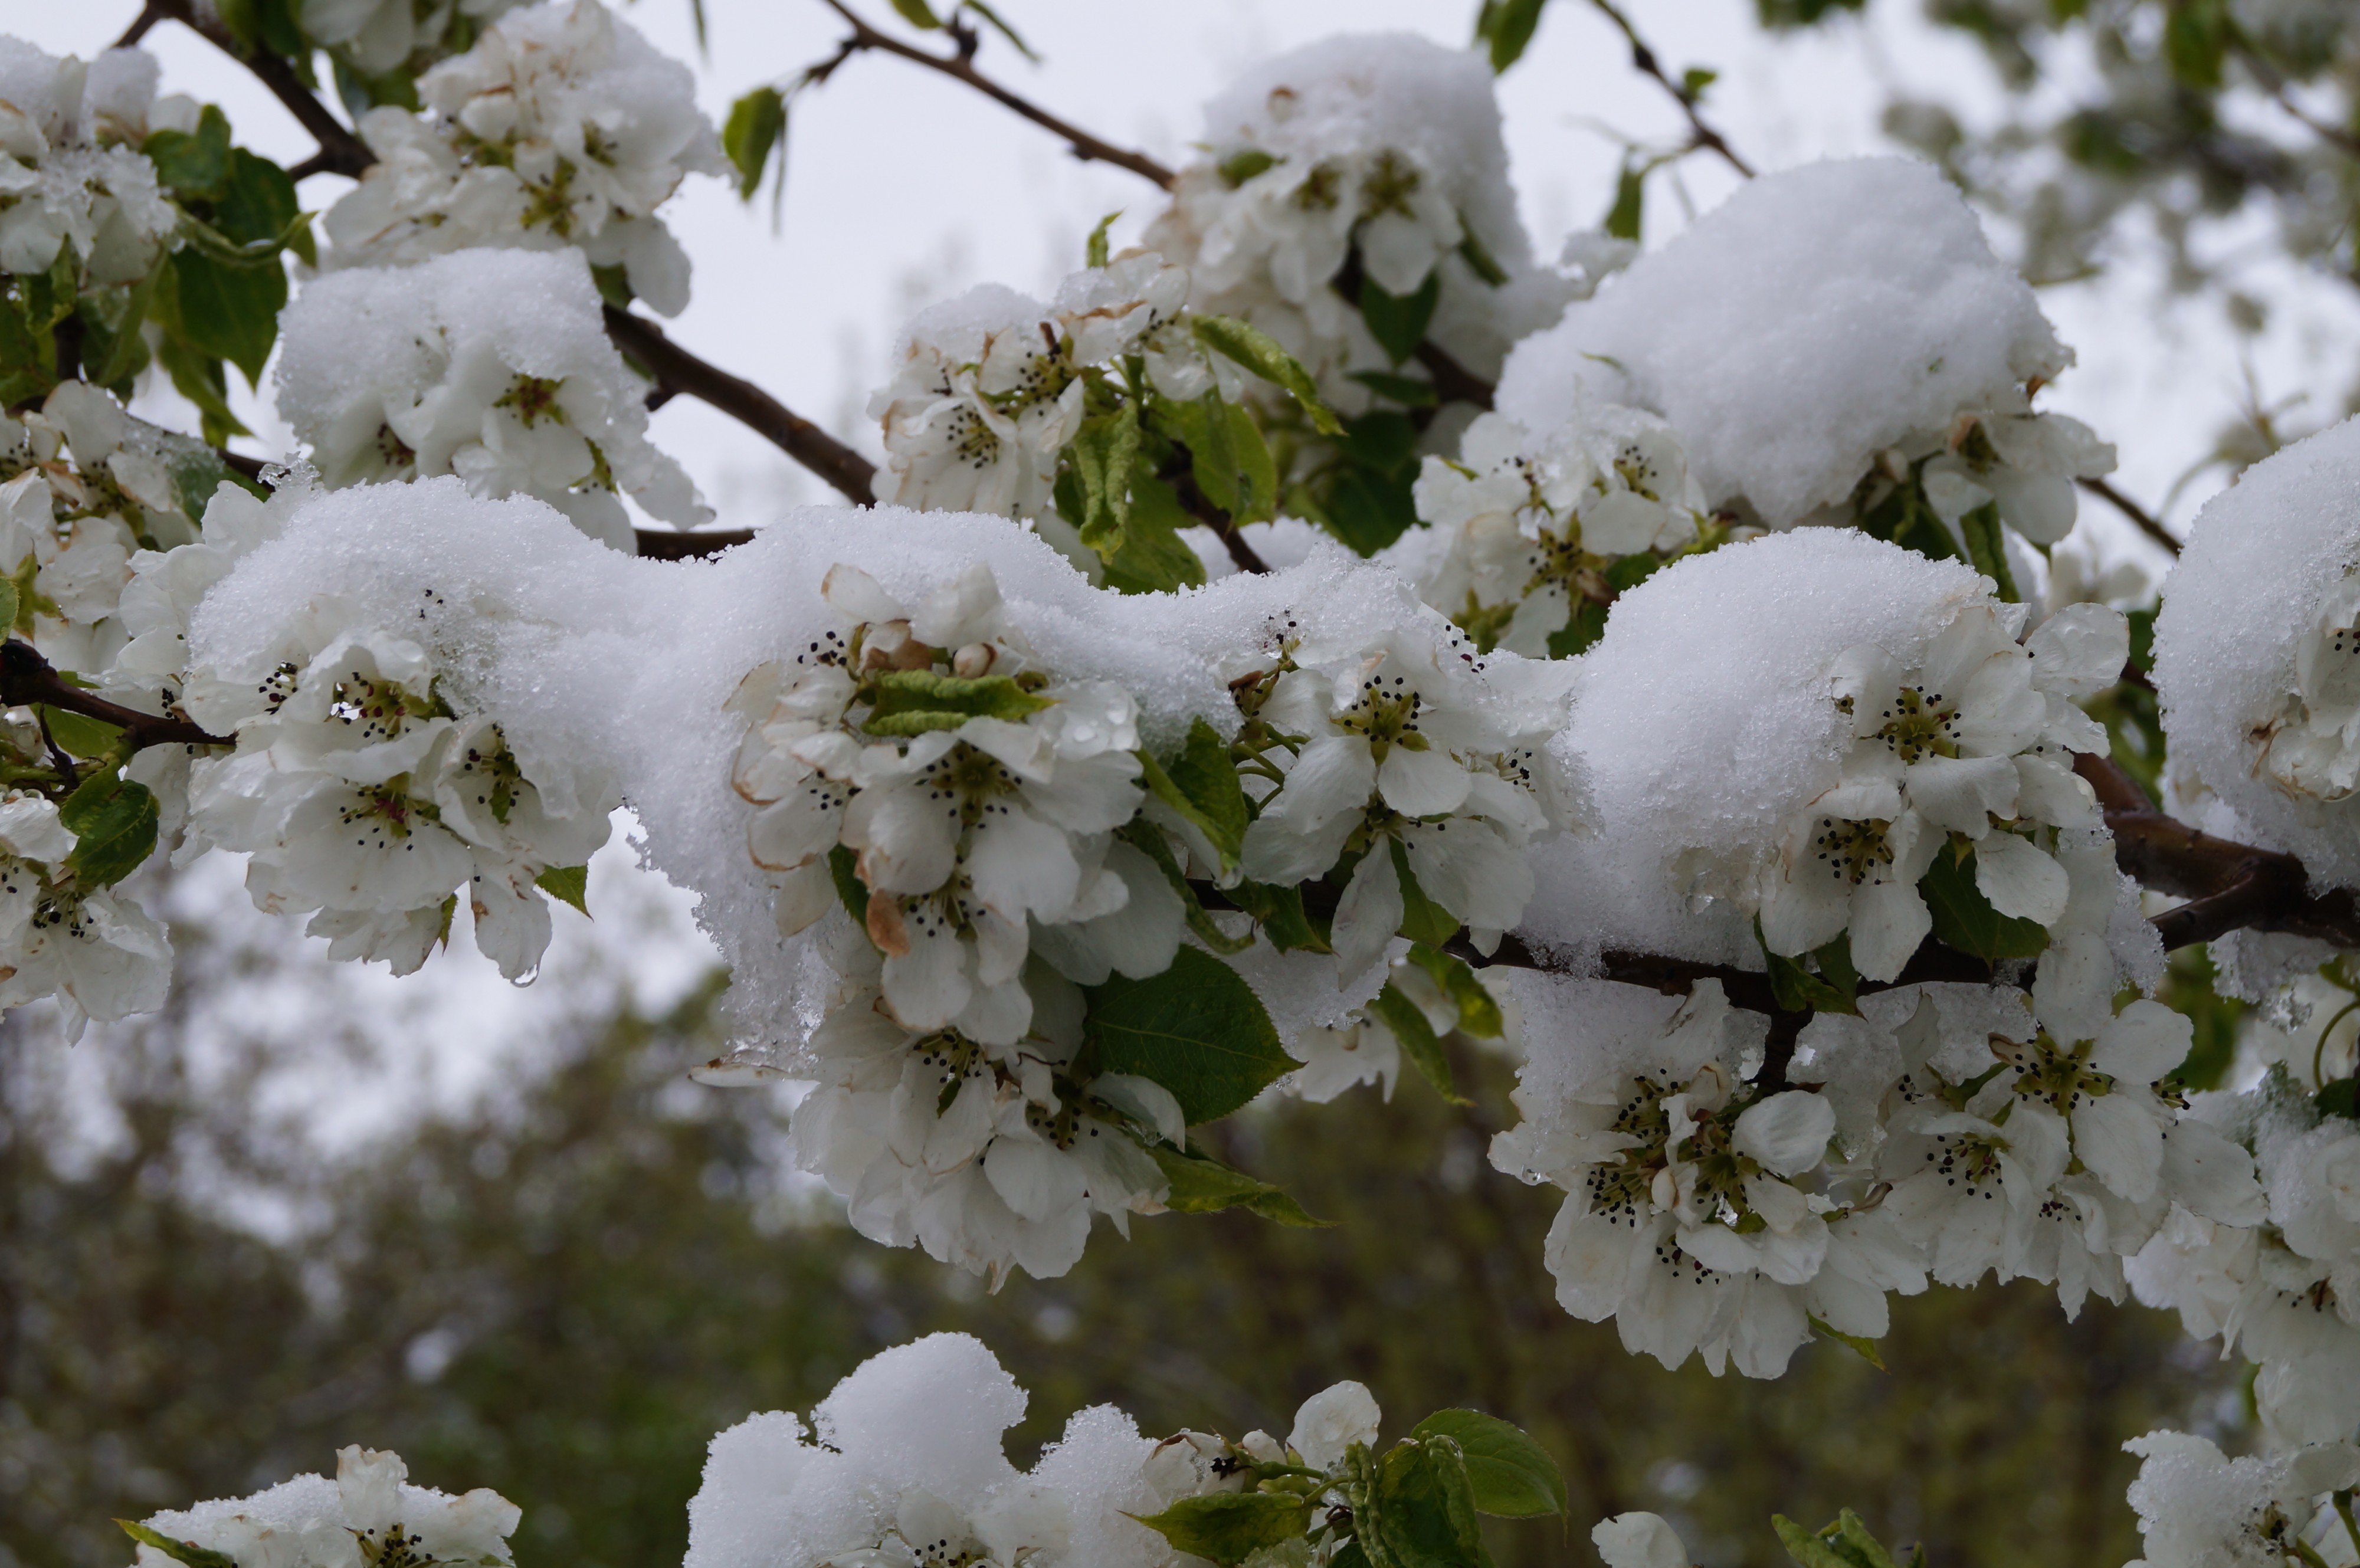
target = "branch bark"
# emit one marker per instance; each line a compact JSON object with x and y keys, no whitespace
{"x":1701,"y":134}
{"x":25,"y":678}
{"x":2145,"y":520}
{"x":958,"y":68}
{"x":674,"y":369}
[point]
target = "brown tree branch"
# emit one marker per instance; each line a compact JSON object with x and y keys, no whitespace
{"x":959,"y":68}
{"x":149,"y":17}
{"x":674,"y":544}
{"x":674,"y":369}
{"x":2145,"y":519}
{"x":1701,"y":134}
{"x":1193,"y":501}
{"x":25,"y":678}
{"x":340,"y":151}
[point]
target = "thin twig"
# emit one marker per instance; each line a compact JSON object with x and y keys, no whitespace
{"x":1194,"y":502}
{"x":340,"y":150}
{"x":25,"y":678}
{"x":2138,"y":513}
{"x":2274,"y":83}
{"x":1701,"y":134}
{"x":673,"y":368}
{"x":1087,"y":147}
{"x":149,"y":17}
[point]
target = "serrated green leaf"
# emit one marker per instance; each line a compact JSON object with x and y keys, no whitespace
{"x":1425,"y":1507}
{"x":1201,"y":1186}
{"x":1860,"y":1344}
{"x":187,"y":1552}
{"x":1407,"y":1023}
{"x":114,"y":822}
{"x":1201,"y":784}
{"x":1230,"y":1527}
{"x":913,"y":701}
{"x":567,"y":884}
{"x":750,"y":134}
{"x":1507,"y":27}
{"x":1509,"y":1475}
{"x":1398,"y":321}
{"x":1965,"y":920}
{"x":1479,"y":1010}
{"x":1258,"y":352}
{"x":1197,"y":1029}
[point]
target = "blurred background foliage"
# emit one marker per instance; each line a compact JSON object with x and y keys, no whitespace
{"x":564,"y":1294}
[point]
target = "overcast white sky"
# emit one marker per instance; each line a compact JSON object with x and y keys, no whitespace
{"x":903,"y":187}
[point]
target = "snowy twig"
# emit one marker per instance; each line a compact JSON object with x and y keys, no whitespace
{"x":1087,"y":147}
{"x":674,"y":369}
{"x":1700,"y":134}
{"x":2138,"y":513}
{"x":341,"y":152}
{"x":25,"y":678}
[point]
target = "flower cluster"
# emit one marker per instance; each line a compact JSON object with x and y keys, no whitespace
{"x":1354,"y":203}
{"x":66,"y":935}
{"x":72,"y":184}
{"x":560,"y":127}
{"x":377,"y":38}
{"x":903,"y":1466}
{"x":490,"y":365}
{"x":2198,"y":1509}
{"x":369,"y":1514}
{"x":1528,"y":539}
{"x":362,"y":793}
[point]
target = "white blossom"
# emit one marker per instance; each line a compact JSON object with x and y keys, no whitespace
{"x":70,"y":175}
{"x":369,"y":1512}
{"x":2200,"y":1509}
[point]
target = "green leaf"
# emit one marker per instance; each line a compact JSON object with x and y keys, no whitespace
{"x":752,"y":131}
{"x":911,"y":702}
{"x":193,"y":164}
{"x":1201,"y":784}
{"x":1093,"y":252}
{"x":1964,"y":918}
{"x":199,"y":378}
{"x":1583,"y":627}
{"x":1240,"y":166}
{"x":260,"y":205}
{"x":229,"y":312}
{"x":1695,"y":80}
{"x":1200,"y":1185}
{"x":1630,"y":196}
{"x":1105,"y":452}
{"x":1260,"y":353}
{"x":1152,"y":557}
{"x":1422,"y":920}
{"x":1479,"y":1010}
{"x":1510,"y":1475}
{"x":1408,"y":390}
{"x":1860,"y":1344}
{"x":1197,"y":1029}
{"x":1425,"y":1507}
{"x":187,"y":1552}
{"x":1806,"y":1548}
{"x":1279,"y":912}
{"x":1398,"y":321}
{"x":567,"y":884}
{"x":268,"y":25}
{"x":1478,"y":257}
{"x":79,"y":734}
{"x":1407,"y":1022}
{"x":918,"y":14}
{"x":1228,"y":457}
{"x":1005,"y":31}
{"x":1982,"y":529}
{"x":843,"y":868}
{"x":1846,"y":1543}
{"x":1835,"y":989}
{"x":112,"y":820}
{"x":1506,"y":25}
{"x":1230,"y":1527}
{"x":2338,"y":1099}
{"x":7,"y":603}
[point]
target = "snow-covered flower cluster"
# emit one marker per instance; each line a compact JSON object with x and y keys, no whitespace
{"x":991,"y":388}
{"x":561,"y":127}
{"x":368,"y":1516}
{"x":73,"y":182}
{"x":2258,"y":664}
{"x":2198,"y":1509}
{"x":1529,"y":538}
{"x":1372,"y":160}
{"x":92,"y":950}
{"x":491,"y":365}
{"x":366,"y":789}
{"x":903,"y":1465}
{"x":379,"y":36}
{"x":1833,"y":343}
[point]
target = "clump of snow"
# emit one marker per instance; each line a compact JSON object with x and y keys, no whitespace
{"x":1705,"y":718}
{"x":1815,"y":318}
{"x":2257,"y":662}
{"x":492,"y":364}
